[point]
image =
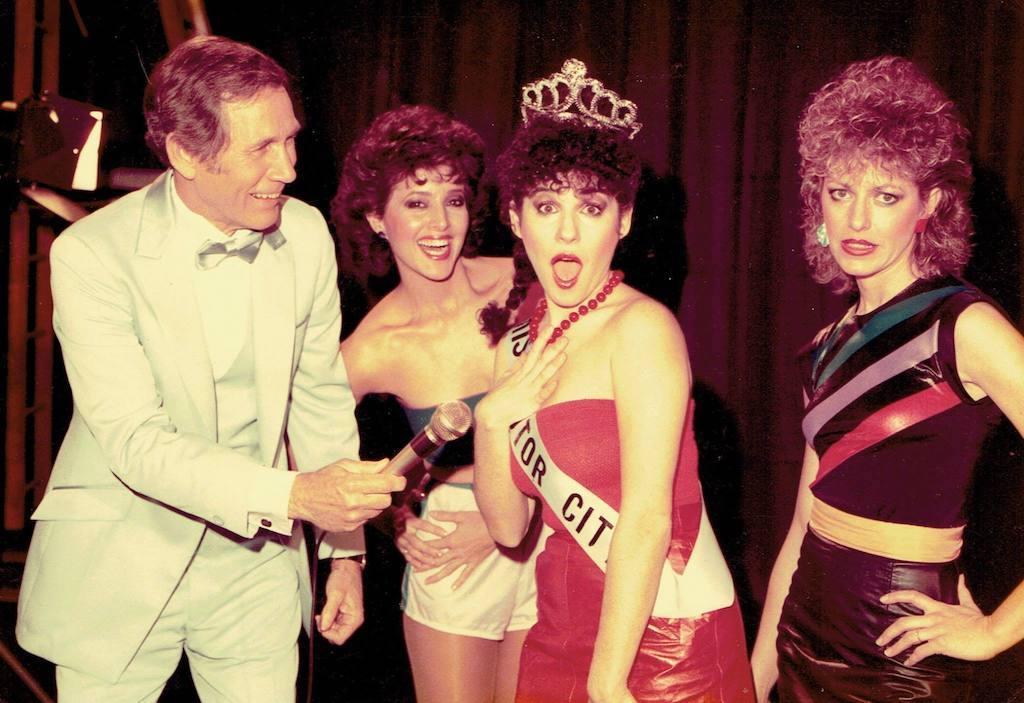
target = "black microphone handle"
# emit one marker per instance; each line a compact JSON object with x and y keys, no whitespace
{"x":412,"y":454}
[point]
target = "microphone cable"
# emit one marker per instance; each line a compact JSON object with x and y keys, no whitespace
{"x":312,"y":544}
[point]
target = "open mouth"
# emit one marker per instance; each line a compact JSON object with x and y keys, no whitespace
{"x":266,"y":196}
{"x":436,"y":248}
{"x":858,"y":247}
{"x":566,"y":269}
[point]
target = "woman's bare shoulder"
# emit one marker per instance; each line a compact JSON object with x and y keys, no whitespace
{"x":370,"y":342}
{"x":645,"y":330}
{"x":641,"y":314}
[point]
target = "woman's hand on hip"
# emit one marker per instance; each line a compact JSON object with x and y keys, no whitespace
{"x":419,"y":552}
{"x":465,"y":547}
{"x":961,"y":631}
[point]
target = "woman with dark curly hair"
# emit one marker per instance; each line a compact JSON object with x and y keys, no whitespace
{"x":408,"y":192}
{"x":866,"y":602}
{"x":635,"y":602}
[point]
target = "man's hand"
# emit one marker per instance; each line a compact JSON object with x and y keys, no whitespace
{"x":342,"y":496}
{"x":343,"y":612}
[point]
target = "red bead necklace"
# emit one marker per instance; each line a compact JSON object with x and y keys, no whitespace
{"x":542,"y":308}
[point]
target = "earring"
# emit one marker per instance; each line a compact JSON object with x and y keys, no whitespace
{"x":921,"y":225}
{"x":382,"y":235}
{"x":821,"y":234}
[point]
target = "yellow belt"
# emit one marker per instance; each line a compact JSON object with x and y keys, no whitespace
{"x":931,"y":545}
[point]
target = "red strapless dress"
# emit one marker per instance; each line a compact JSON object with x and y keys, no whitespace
{"x":680,"y":659}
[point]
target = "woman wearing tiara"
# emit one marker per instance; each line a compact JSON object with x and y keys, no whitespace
{"x":596,"y":389}
{"x":868,"y":603}
{"x":409,"y":191}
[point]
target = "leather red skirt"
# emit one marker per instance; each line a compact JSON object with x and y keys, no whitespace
{"x":698,"y":660}
{"x":832,"y":616}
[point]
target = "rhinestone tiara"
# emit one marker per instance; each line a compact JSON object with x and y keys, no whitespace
{"x":570,"y":95}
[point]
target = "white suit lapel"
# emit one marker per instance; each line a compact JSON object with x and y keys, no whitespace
{"x":273,"y":306}
{"x":166,"y":263}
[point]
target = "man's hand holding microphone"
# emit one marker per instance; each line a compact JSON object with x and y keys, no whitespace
{"x":341,"y":496}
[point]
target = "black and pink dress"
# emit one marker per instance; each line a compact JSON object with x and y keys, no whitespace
{"x":897,"y":437}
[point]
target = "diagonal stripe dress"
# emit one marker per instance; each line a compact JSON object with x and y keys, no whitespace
{"x":897,"y":437}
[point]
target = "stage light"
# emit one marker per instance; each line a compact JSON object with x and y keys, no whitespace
{"x":59,"y":142}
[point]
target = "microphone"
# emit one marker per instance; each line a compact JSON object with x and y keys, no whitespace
{"x":450,"y":421}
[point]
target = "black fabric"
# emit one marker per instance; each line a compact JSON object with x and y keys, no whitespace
{"x":830,"y":621}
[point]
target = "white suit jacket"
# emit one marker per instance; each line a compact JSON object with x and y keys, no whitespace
{"x":139,"y":474}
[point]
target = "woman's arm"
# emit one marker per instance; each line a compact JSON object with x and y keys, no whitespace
{"x":651,"y":385}
{"x":518,"y":392}
{"x":990,"y":356}
{"x":764,"y":659}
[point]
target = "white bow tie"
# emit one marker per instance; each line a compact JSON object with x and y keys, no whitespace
{"x":244,"y":246}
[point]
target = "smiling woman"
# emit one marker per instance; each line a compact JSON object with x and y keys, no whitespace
{"x":409,"y":191}
{"x":425,"y":221}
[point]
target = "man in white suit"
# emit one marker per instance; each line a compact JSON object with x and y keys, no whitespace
{"x":199,"y":320}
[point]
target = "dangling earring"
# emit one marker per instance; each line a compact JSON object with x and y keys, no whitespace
{"x":821,"y":234}
{"x":921,"y":226}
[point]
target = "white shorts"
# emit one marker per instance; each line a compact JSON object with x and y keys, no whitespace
{"x":500,"y":595}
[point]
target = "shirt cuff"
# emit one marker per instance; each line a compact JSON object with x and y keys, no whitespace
{"x":268,"y":501}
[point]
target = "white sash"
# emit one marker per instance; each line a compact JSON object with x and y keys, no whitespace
{"x":705,"y":584}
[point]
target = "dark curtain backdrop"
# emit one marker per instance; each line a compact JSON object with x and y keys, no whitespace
{"x":720,"y":85}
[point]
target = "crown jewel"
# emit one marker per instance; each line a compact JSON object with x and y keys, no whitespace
{"x":570,"y":95}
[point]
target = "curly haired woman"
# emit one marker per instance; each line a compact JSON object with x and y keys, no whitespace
{"x":866,"y":601}
{"x":408,"y":193}
{"x":635,"y":601}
